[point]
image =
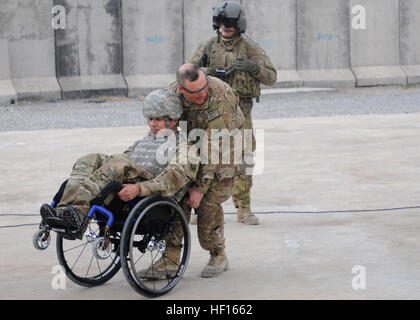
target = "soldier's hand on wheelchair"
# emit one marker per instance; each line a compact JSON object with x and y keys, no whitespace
{"x":129,"y":192}
{"x":195,"y":198}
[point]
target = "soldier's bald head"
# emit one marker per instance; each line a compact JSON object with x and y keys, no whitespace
{"x":188,"y":71}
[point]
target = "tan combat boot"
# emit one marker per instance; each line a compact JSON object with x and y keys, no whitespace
{"x":165,"y":266}
{"x":217,"y":264}
{"x":244,"y":215}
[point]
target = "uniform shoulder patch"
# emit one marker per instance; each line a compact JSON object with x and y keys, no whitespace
{"x":213,"y":115}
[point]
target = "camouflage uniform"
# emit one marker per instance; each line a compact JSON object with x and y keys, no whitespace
{"x":219,"y":53}
{"x":137,"y":165}
{"x":219,"y":111}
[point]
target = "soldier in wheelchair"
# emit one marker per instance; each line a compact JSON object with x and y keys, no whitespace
{"x":131,"y":190}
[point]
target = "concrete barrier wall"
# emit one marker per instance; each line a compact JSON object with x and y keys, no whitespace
{"x":28,"y":50}
{"x":7,"y":91}
{"x":272,"y":24}
{"x":89,"y":50}
{"x":120,"y":47}
{"x":375,"y":52}
{"x":323,"y":46}
{"x":410,"y":39}
{"x":198,"y":24}
{"x":152,"y":43}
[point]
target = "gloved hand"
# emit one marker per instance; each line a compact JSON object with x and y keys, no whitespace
{"x":247,"y":65}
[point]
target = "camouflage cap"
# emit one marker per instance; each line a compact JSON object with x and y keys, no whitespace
{"x":162,"y":103}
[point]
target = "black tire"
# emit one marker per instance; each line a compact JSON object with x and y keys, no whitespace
{"x":134,"y":237}
{"x":81,"y":265}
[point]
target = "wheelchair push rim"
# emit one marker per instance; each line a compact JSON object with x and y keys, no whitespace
{"x":80,"y":263}
{"x":134,"y":261}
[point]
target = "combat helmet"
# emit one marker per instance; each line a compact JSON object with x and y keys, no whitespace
{"x":162,"y":103}
{"x":232,"y":13}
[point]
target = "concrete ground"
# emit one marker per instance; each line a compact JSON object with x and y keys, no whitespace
{"x":338,"y":203}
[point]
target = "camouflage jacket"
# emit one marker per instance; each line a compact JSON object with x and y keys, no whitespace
{"x":165,"y":178}
{"x":222,"y":54}
{"x":219,"y":111}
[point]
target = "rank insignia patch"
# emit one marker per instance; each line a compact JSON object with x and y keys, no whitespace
{"x":213,"y":115}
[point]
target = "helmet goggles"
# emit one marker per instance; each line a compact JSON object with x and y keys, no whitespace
{"x":227,"y":22}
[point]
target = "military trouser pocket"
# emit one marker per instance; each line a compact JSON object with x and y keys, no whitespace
{"x":226,"y":172}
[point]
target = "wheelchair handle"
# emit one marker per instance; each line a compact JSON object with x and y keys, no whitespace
{"x":101,"y":210}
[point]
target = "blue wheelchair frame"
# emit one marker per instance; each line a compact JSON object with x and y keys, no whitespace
{"x":102,"y":211}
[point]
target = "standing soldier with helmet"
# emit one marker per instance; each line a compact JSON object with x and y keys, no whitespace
{"x":239,"y":61}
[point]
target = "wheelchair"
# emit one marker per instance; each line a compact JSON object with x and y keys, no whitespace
{"x":132,"y":235}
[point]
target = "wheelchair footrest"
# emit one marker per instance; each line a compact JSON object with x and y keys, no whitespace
{"x":64,"y":229}
{"x":58,"y":223}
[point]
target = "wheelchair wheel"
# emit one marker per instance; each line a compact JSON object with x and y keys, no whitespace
{"x":80,"y":262}
{"x":145,"y":241}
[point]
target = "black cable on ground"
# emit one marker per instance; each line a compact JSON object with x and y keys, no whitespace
{"x":334,"y":211}
{"x":259,"y":212}
{"x":20,"y":225}
{"x":19,"y":214}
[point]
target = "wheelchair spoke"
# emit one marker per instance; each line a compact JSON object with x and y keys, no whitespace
{"x":134,"y":264}
{"x":153,"y":260}
{"x":166,"y":269}
{"x":79,"y":257}
{"x":91,"y":259}
{"x":153,"y":271}
{"x":78,"y":246}
{"x":96,"y":233}
{"x":169,"y":259}
{"x":112,"y":260}
{"x":100,"y":272}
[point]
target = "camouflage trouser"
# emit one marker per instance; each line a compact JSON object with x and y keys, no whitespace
{"x":174,"y":239}
{"x":243,"y":183}
{"x":93,"y":172}
{"x":210,"y":218}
